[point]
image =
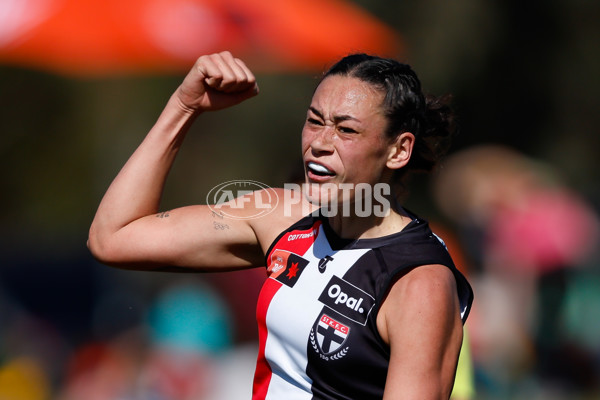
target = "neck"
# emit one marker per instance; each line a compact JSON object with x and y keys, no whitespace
{"x":372,"y":226}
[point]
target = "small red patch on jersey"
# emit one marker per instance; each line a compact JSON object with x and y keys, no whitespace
{"x":293,"y":271}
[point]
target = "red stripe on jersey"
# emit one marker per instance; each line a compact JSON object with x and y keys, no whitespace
{"x":298,"y":242}
{"x":262,"y":375}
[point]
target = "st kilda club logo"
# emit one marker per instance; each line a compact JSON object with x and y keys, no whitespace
{"x":344,"y":302}
{"x":327,"y":338}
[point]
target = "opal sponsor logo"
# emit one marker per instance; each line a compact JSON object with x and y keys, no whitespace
{"x":335,"y":292}
{"x":348,"y":300}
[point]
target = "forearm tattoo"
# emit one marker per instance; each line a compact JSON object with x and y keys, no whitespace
{"x":219,"y":226}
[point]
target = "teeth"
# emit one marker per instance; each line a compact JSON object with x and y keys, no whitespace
{"x":319,"y":168}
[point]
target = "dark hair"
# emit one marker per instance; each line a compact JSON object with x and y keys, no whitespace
{"x":429,"y":118}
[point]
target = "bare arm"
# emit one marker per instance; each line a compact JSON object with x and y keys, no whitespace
{"x":127,"y":231}
{"x":420,"y":320}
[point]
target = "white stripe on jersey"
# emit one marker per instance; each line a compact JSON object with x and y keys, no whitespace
{"x":291,"y":315}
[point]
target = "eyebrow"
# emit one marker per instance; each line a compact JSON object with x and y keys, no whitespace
{"x":337,"y":118}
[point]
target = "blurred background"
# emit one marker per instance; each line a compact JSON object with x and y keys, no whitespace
{"x":516,"y":200}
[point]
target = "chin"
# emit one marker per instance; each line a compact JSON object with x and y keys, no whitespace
{"x":316,"y":191}
{"x":324,"y":195}
{"x":347,"y":200}
{"x":319,"y":194}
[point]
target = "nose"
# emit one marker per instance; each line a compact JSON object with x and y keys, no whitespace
{"x":322,"y":141}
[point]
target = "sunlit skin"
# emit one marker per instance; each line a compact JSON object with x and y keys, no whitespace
{"x":344,"y":132}
{"x":343,"y":136}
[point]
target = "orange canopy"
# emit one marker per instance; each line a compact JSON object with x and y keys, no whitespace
{"x":100,"y":37}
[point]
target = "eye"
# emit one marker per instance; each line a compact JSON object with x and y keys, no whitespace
{"x":345,"y":129}
{"x":313,"y":121}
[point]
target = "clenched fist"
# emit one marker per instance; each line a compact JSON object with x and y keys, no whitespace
{"x":215,"y":82}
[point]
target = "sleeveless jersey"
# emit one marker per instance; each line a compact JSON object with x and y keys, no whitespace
{"x":317,"y":309}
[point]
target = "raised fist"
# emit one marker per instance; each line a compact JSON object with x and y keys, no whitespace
{"x":216,"y":81}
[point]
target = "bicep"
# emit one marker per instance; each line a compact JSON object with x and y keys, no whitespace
{"x":421,"y":323}
{"x":193,"y":238}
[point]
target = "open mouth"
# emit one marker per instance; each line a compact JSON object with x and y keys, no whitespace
{"x":319,"y":169}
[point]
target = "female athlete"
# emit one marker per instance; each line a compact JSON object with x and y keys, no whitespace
{"x":362,"y":300}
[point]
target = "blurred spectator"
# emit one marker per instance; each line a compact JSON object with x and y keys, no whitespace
{"x":23,"y":378}
{"x":531,"y":221}
{"x":169,"y":357}
{"x":528,"y":234}
{"x":464,"y":382}
{"x":191,"y":318}
{"x":30,"y":350}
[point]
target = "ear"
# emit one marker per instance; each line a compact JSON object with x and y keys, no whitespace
{"x":400,"y":151}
